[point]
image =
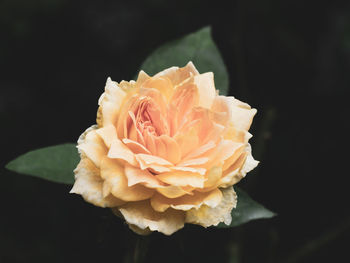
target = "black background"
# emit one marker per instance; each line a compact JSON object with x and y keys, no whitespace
{"x":289,"y":59}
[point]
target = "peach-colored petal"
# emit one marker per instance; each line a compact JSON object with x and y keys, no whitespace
{"x":113,"y":173}
{"x":198,"y":170}
{"x":232,"y":175}
{"x":136,"y":176}
{"x":88,"y":184}
{"x":150,"y":159}
{"x":172,"y":191}
{"x":108,"y":134}
{"x":162,"y":84}
{"x":141,"y":215}
{"x":141,"y":78}
{"x":201,"y":150}
{"x":206,"y":89}
{"x":182,"y":178}
{"x":196,"y":161}
{"x":91,"y":145}
{"x":119,"y":150}
{"x":187,"y":141}
{"x":135,"y":147}
{"x":173,"y":152}
{"x":240,"y":114}
{"x":178,"y":75}
{"x":110,"y":102}
{"x":187,"y":202}
{"x":211,"y":216}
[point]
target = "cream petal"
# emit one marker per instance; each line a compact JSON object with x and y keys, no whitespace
{"x":240,"y":113}
{"x":135,"y":147}
{"x":108,"y":134}
{"x":249,"y":163}
{"x":110,"y":102}
{"x":196,"y":161}
{"x":88,"y":184}
{"x":187,"y":202}
{"x":141,"y":215}
{"x":206,"y":88}
{"x":173,"y":152}
{"x":136,"y":176}
{"x":211,"y":216}
{"x":232,"y":175}
{"x":178,"y":75}
{"x":151,"y":159}
{"x":172,"y":191}
{"x":113,"y":174}
{"x":182,"y":178}
{"x":119,"y":150}
{"x":198,"y":170}
{"x":201,"y":150}
{"x":92,"y":146}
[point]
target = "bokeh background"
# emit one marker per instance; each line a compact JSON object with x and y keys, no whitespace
{"x":289,"y":59}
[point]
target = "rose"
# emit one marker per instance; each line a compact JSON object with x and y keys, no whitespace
{"x":166,"y":151}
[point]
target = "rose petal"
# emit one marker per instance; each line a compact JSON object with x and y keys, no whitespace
{"x":198,"y":170}
{"x":178,"y":75}
{"x":182,"y":178}
{"x":110,"y":103}
{"x":91,"y":145}
{"x":108,"y":134}
{"x":240,"y":114}
{"x":141,"y":215}
{"x":119,"y":150}
{"x":88,"y":184}
{"x":135,"y":147}
{"x":113,"y":173}
{"x":206,"y":88}
{"x":209,"y":216}
{"x":172,"y":191}
{"x":136,"y":176}
{"x":187,"y":202}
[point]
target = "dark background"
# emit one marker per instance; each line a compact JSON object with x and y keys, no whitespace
{"x":289,"y":59}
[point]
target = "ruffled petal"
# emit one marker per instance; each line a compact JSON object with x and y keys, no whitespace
{"x":182,"y":178}
{"x":211,"y":216}
{"x":206,"y":89}
{"x":178,"y":75}
{"x":142,"y":216}
{"x":110,"y":103}
{"x":136,"y":176}
{"x":88,"y":184}
{"x":113,"y":174}
{"x":120,"y":151}
{"x":108,"y":134}
{"x":92,"y":146}
{"x":187,"y":202}
{"x":240,"y":113}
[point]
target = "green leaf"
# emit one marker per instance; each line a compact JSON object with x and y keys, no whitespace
{"x":54,"y":163}
{"x":247,"y":210}
{"x":197,"y":47}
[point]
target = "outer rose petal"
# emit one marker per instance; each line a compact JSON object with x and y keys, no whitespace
{"x":187,"y":202}
{"x":141,"y":215}
{"x":92,"y":146}
{"x":110,"y":103}
{"x":212,"y":216}
{"x":244,"y":164}
{"x":88,"y":183}
{"x":178,"y":75}
{"x":206,"y":89}
{"x":240,"y":114}
{"x":116,"y":182}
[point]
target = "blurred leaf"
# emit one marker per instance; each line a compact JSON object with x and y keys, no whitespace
{"x":197,"y":47}
{"x":247,"y":210}
{"x":54,"y":163}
